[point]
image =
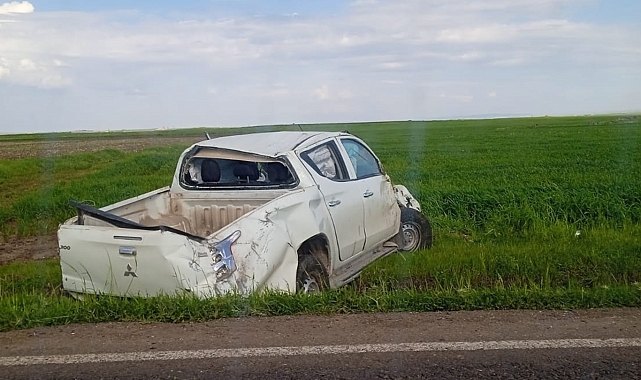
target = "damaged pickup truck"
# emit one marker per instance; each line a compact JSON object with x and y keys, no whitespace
{"x":288,"y":211}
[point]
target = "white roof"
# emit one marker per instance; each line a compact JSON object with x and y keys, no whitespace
{"x":270,"y":144}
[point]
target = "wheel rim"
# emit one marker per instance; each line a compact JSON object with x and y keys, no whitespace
{"x":412,"y":236}
{"x":310,"y":285}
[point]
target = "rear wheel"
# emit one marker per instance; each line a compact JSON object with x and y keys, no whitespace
{"x":311,"y":275}
{"x":416,"y":230}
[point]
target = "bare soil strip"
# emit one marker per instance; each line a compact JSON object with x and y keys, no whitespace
{"x":50,"y":148}
{"x":27,"y":249}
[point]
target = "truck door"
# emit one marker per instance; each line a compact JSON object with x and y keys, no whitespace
{"x":345,"y":206}
{"x":381,"y":211}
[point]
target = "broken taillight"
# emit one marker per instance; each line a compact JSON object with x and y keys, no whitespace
{"x":223,"y":261}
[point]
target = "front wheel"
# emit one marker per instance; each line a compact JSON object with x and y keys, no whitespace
{"x":416,"y":230}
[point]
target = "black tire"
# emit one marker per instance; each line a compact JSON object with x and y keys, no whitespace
{"x":416,"y":230}
{"x":311,"y":275}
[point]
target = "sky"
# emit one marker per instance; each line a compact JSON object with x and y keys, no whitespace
{"x":111,"y":65}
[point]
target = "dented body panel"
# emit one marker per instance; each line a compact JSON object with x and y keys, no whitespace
{"x":235,"y":218}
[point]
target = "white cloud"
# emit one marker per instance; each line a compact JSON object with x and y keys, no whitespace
{"x":360,"y":35}
{"x":508,"y":32}
{"x":322,"y":92}
{"x":471,"y":56}
{"x":457,"y":98}
{"x":393,"y":65}
{"x":16,"y":7}
{"x":276,"y":91}
{"x":28,"y":72}
{"x":4,"y":68}
{"x":135,"y":91}
{"x":27,"y":65}
{"x":522,"y":6}
{"x":514,"y":61}
{"x":345,"y":94}
{"x":491,"y":94}
{"x":377,"y":59}
{"x":491,"y":33}
{"x":334,"y":92}
{"x":53,"y":80}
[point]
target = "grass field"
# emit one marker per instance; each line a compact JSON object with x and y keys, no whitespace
{"x":528,"y":213}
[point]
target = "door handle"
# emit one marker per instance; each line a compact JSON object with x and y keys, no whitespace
{"x":131,"y":251}
{"x":368,"y":194}
{"x":333,"y":203}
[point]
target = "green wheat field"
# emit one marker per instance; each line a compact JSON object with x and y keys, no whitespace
{"x":527,"y":213}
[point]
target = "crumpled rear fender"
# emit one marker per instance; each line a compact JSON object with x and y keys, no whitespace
{"x":266,"y":252}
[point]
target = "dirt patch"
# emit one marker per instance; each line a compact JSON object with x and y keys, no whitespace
{"x":50,"y":148}
{"x":27,"y":249}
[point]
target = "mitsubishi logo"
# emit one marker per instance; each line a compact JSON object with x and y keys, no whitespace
{"x":130,"y":271}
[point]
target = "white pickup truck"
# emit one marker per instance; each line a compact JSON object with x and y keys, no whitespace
{"x":290,"y":211}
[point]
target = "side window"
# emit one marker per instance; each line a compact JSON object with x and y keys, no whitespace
{"x":363,"y":161}
{"x":324,"y":160}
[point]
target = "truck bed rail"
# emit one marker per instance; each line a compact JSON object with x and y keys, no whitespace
{"x":121,"y":222}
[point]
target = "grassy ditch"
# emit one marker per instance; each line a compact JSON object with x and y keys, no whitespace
{"x":30,"y":293}
{"x":528,"y":213}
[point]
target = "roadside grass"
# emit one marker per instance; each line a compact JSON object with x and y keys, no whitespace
{"x":556,"y":259}
{"x":527,"y":213}
{"x":31,"y":296}
{"x":30,"y":311}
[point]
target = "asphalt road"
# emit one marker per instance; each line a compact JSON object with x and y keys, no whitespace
{"x":585,"y":344}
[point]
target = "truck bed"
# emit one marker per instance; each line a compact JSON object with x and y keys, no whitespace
{"x":195,"y":216}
